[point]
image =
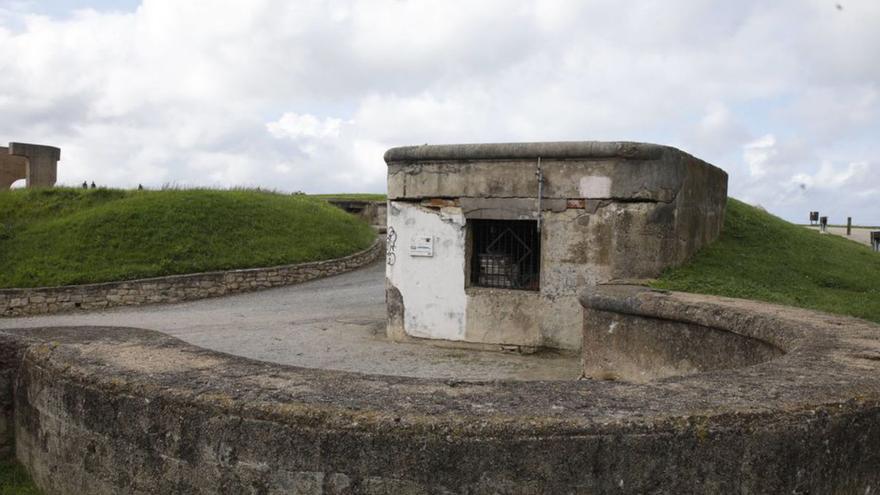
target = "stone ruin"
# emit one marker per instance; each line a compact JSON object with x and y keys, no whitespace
{"x":36,"y":163}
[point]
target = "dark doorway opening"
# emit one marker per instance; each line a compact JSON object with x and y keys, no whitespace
{"x":506,"y":254}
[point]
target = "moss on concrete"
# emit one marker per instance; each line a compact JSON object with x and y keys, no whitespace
{"x":14,"y":480}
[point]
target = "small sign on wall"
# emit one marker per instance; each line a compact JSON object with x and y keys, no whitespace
{"x":421,"y":245}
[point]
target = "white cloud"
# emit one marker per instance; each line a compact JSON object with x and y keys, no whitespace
{"x":307,"y":95}
{"x":834,"y":177}
{"x":295,"y":126}
{"x":758,"y":153}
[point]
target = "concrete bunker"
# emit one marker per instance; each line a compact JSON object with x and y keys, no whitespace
{"x":36,"y":163}
{"x":491,"y":243}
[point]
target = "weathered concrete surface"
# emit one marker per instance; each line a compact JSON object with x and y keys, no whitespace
{"x":590,"y":170}
{"x":641,"y":334}
{"x":133,"y":411}
{"x":333,"y":323}
{"x":373,"y":212}
{"x":637,"y":334}
{"x":610,"y":211}
{"x":12,"y":168}
{"x":36,"y":163}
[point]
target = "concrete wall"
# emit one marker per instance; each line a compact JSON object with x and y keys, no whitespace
{"x":122,"y":410}
{"x":432,"y":288}
{"x":610,"y":211}
{"x":175,"y":288}
{"x":12,"y":168}
{"x":624,"y":341}
{"x":36,"y":163}
{"x":372,"y":212}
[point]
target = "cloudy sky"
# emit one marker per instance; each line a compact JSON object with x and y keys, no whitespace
{"x":306,"y":95}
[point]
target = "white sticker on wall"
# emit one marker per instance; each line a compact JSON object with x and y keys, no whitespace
{"x":421,"y":245}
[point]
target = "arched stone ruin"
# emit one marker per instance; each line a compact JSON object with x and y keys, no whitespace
{"x":36,"y":163}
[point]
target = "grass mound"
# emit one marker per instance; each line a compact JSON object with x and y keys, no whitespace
{"x":760,"y":256}
{"x":66,"y":236}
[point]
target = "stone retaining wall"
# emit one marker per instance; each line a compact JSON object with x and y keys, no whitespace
{"x":175,"y":288}
{"x":121,"y":410}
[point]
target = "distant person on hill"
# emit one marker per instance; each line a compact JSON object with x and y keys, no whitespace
{"x":85,"y":185}
{"x":93,"y":184}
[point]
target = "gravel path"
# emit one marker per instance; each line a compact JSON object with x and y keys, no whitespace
{"x":334,"y":323}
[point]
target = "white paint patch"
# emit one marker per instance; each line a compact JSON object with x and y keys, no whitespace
{"x":595,"y":187}
{"x":612,"y":327}
{"x":432,"y":287}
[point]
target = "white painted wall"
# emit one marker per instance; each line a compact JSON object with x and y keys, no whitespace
{"x":432,"y":288}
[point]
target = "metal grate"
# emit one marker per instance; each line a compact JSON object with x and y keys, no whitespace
{"x":506,"y":254}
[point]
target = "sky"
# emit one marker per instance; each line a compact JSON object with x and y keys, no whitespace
{"x":306,"y":95}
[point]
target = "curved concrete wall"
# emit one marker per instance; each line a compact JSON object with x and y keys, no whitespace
{"x":175,"y":288}
{"x":625,"y":341}
{"x":12,"y":168}
{"x":116,"y":410}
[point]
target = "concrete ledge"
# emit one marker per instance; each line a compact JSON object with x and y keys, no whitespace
{"x":176,"y":288}
{"x":550,"y":150}
{"x":33,"y":150}
{"x":120,"y":410}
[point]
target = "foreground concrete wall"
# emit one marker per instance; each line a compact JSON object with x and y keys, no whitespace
{"x":36,"y":163}
{"x":609,"y":211}
{"x":120,"y":410}
{"x":175,"y":288}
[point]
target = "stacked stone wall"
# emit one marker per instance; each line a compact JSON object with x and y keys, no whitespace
{"x":175,"y":288}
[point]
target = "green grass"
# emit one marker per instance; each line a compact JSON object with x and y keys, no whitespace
{"x":14,"y":480}
{"x":64,"y":236}
{"x":352,"y":196}
{"x":760,"y":256}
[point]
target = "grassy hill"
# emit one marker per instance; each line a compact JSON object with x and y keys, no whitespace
{"x":760,"y":256}
{"x":70,"y":236}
